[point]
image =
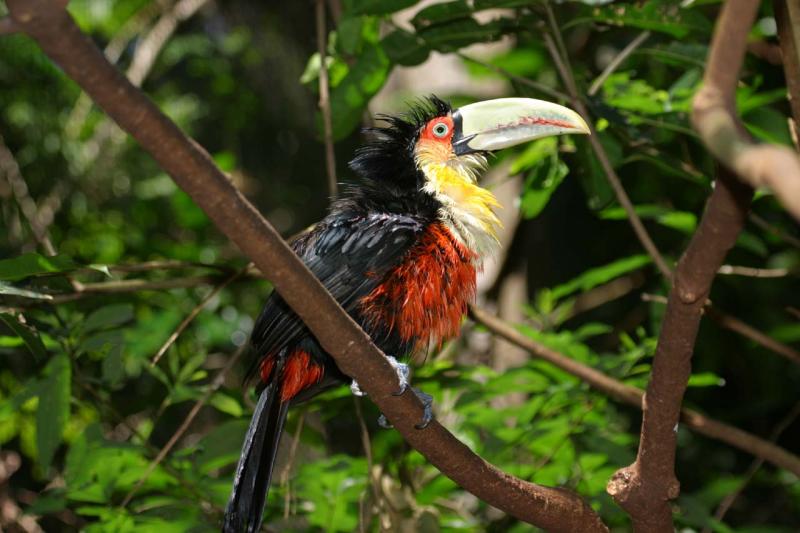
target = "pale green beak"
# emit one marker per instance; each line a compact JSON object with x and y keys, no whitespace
{"x":504,"y":122}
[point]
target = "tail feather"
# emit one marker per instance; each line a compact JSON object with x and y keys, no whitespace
{"x":254,"y":471}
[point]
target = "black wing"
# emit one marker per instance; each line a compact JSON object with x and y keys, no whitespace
{"x":349,"y":254}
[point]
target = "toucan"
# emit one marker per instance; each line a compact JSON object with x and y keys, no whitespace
{"x":399,"y":250}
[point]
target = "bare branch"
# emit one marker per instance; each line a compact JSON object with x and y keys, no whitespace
{"x":194,"y":171}
{"x":622,"y":197}
{"x":192,"y":315}
{"x":645,"y":488}
{"x":714,"y":113}
{"x":730,"y":498}
{"x":618,"y":60}
{"x":219,"y":379}
{"x":749,"y":332}
{"x":27,"y":205}
{"x":734,"y":270}
{"x":627,"y":394}
{"x":325,"y":99}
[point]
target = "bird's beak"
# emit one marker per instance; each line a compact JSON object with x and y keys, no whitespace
{"x":504,"y":122}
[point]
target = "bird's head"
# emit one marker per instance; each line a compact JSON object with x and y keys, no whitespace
{"x":441,"y":151}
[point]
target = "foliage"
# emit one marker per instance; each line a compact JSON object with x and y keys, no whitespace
{"x":87,"y":412}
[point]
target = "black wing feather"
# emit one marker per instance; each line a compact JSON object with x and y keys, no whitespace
{"x":349,"y":253}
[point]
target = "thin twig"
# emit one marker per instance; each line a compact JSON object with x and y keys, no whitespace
{"x":27,"y":205}
{"x":192,"y":315}
{"x":751,"y":272}
{"x":740,"y":327}
{"x":627,"y":394}
{"x":562,"y":65}
{"x":617,"y":61}
{"x":728,"y":501}
{"x":325,"y":99}
{"x":367,"y":445}
{"x":290,"y":461}
{"x":778,"y":232}
{"x":217,"y":382}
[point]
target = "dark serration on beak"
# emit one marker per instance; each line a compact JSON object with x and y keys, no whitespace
{"x":503,"y":122}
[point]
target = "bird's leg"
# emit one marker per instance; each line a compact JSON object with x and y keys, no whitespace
{"x":403,"y":374}
{"x":402,"y":371}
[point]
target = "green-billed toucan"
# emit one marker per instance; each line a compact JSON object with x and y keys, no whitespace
{"x":398,"y":250}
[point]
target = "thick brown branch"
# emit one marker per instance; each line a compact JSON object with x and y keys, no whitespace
{"x":787,"y":16}
{"x":714,"y":113}
{"x":645,"y":488}
{"x":194,"y":171}
{"x":627,"y":394}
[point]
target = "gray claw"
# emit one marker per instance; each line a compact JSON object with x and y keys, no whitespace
{"x":427,"y":414}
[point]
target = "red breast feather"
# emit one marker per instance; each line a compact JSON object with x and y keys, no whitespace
{"x":425,"y":297}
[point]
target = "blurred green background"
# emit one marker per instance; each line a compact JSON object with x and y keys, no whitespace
{"x":83,"y":413}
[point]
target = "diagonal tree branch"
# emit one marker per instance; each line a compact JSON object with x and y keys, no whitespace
{"x":645,"y":488}
{"x":624,"y":200}
{"x":627,"y":394}
{"x":194,"y":171}
{"x":714,"y":113}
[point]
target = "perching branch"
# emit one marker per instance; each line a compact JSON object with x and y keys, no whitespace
{"x":714,"y":113}
{"x":645,"y":488}
{"x":194,"y":171}
{"x":630,"y":395}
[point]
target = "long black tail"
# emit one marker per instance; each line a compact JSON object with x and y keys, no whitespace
{"x":254,"y":471}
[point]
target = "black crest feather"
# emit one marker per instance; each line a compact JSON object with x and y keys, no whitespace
{"x":388,"y":153}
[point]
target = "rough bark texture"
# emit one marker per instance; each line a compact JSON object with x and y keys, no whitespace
{"x":193,"y":170}
{"x":645,"y":488}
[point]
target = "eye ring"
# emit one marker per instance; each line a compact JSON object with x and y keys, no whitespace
{"x":441,"y":130}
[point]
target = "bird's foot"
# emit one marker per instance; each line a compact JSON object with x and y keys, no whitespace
{"x":427,"y":413}
{"x":403,"y":373}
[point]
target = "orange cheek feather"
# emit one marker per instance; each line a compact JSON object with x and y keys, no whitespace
{"x":427,"y":295}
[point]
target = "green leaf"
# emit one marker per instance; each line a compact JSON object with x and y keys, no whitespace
{"x":591,"y":175}
{"x":441,"y":12}
{"x":405,"y":48}
{"x":665,"y":16}
{"x":33,"y":264}
{"x":350,"y":97}
{"x":53,"y":409}
{"x":679,"y":220}
{"x":28,"y":336}
{"x":10,"y":290}
{"x":108,"y":316}
{"x":597,"y":276}
{"x":375,"y":7}
{"x":542,"y":181}
{"x":705,"y":379}
{"x":450,"y":36}
{"x":224,"y":403}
